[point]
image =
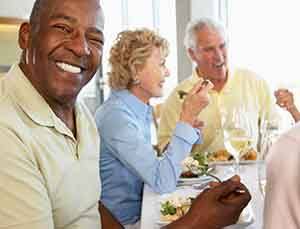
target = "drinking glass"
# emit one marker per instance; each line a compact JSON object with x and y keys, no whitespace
{"x":270,"y":132}
{"x":238,"y":133}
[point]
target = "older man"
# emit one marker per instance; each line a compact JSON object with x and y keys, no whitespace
{"x":205,"y":42}
{"x":49,"y":158}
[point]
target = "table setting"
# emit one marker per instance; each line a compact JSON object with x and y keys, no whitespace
{"x":251,"y":217}
{"x":239,"y":156}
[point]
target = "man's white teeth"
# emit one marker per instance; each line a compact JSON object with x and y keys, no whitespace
{"x":68,"y":68}
{"x":219,"y":65}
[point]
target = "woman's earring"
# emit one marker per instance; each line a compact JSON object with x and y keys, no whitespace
{"x":136,"y":81}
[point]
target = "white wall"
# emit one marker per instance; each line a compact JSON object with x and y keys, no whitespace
{"x":187,"y":10}
{"x":10,"y":50}
{"x":205,"y":8}
{"x":16,"y":8}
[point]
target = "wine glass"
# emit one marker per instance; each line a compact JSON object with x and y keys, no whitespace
{"x":238,"y":133}
{"x":270,"y":132}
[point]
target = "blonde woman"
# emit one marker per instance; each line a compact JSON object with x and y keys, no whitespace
{"x":127,"y":159}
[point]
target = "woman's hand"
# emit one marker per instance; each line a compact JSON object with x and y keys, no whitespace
{"x":195,"y":101}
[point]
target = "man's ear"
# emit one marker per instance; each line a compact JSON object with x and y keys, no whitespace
{"x":24,"y":33}
{"x":191,"y":54}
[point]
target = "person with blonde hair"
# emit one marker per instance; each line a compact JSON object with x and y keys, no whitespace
{"x":127,"y":158}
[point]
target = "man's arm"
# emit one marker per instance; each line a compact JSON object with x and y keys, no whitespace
{"x":215,"y":208}
{"x":107,"y":219}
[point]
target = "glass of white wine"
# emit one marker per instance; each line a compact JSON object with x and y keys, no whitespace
{"x":238,"y":133}
{"x":269,"y":134}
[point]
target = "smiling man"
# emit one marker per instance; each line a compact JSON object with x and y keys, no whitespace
{"x":50,"y":147}
{"x":234,"y":88}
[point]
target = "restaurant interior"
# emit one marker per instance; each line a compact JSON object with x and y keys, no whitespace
{"x":262,"y":36}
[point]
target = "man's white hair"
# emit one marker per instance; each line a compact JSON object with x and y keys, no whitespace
{"x":196,"y":25}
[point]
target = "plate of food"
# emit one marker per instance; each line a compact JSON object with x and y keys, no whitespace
{"x":175,"y":205}
{"x":195,"y":169}
{"x":223,"y":157}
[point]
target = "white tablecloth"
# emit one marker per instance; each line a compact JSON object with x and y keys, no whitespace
{"x":248,"y":173}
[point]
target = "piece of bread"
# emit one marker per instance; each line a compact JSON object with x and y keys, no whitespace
{"x":220,"y":155}
{"x":251,"y":155}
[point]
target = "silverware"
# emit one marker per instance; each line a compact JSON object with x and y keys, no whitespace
{"x":213,"y":176}
{"x":182,"y":94}
{"x":205,"y":184}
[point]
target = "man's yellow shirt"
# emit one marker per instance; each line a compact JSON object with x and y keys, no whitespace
{"x":243,"y":89}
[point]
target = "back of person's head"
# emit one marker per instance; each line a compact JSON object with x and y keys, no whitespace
{"x":197,"y":25}
{"x":129,"y":53}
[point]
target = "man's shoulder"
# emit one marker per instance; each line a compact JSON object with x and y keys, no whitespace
{"x":3,"y":88}
{"x":10,"y":113}
{"x":246,"y":73}
{"x":13,"y":121}
{"x":7,"y":105}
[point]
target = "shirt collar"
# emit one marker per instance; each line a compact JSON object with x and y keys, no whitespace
{"x":28,"y":98}
{"x":31,"y":102}
{"x":141,"y":109}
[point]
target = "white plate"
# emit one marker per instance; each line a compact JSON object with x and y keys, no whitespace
{"x":184,"y":191}
{"x":246,"y":219}
{"x":194,"y":180}
{"x":197,"y":180}
{"x":243,"y":162}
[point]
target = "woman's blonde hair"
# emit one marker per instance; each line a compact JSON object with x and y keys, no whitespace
{"x":129,"y":53}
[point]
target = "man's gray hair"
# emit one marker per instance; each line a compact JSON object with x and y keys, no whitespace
{"x":196,"y":25}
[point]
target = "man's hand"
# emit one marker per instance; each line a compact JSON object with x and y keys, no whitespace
{"x":216,"y":207}
{"x":285,"y":99}
{"x":195,"y":101}
{"x":220,"y":205}
{"x":107,"y":219}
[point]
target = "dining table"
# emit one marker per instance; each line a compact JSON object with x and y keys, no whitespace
{"x":248,"y":171}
